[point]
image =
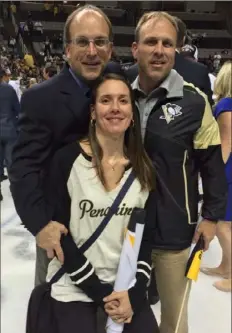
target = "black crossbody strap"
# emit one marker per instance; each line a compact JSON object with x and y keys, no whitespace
{"x":111,"y":212}
{"x":101,"y":227}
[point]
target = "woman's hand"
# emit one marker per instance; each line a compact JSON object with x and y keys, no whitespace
{"x":113,"y":305}
{"x":122,"y":311}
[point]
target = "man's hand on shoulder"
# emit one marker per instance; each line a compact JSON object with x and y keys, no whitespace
{"x":49,"y":239}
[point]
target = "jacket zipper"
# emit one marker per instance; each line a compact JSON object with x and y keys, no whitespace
{"x":157,"y":106}
{"x":186,"y":187}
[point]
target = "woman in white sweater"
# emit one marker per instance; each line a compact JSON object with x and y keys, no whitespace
{"x":85,"y":179}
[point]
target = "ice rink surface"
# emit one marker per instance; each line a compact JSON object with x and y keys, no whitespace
{"x":209,"y":309}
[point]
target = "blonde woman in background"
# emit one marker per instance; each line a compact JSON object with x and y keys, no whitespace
{"x":223,"y":114}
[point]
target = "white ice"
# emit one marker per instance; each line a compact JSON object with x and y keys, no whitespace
{"x":209,"y":309}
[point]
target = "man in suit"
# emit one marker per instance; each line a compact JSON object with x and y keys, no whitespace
{"x":49,"y":71}
{"x":192,"y":72}
{"x":9,"y":111}
{"x":55,"y":113}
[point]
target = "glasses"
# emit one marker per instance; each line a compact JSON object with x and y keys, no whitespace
{"x":83,"y":42}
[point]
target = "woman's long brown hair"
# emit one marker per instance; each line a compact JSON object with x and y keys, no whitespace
{"x":133,"y":145}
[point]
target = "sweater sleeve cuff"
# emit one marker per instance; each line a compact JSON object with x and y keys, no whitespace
{"x":138,"y":295}
{"x":82,"y":273}
{"x":96,"y":290}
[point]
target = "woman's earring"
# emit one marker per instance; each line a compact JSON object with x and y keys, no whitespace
{"x":132,"y":122}
{"x":92,"y":122}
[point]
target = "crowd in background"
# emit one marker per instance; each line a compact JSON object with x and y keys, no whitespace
{"x":28,"y":71}
{"x":40,"y":127}
{"x":25,"y":70}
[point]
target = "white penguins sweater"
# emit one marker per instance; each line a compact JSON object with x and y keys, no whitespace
{"x":77,"y":199}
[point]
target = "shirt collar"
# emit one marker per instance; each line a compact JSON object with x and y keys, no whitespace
{"x":80,"y":82}
{"x":173,"y":86}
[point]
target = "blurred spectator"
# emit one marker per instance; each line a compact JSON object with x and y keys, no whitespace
{"x":9,"y":110}
{"x":212,"y":81}
{"x":190,"y":52}
{"x":62,"y":13}
{"x":48,"y":58}
{"x":114,"y":57}
{"x":15,"y":83}
{"x":60,"y":39}
{"x":47,"y":6}
{"x":5,"y":13}
{"x":30,"y":23}
{"x":49,"y":71}
{"x":55,"y":10}
{"x":4,"y":60}
{"x":47,"y":47}
{"x":38,"y":26}
{"x":12,"y":44}
{"x":13,"y":8}
{"x":32,"y":82}
{"x":5,"y":75}
{"x":217,"y":61}
{"x":29,"y":61}
{"x":55,"y":42}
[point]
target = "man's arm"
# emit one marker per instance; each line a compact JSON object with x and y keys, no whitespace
{"x":208,"y":158}
{"x":29,"y":158}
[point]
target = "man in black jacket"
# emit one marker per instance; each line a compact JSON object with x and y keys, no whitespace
{"x":182,"y":138}
{"x":55,"y":113}
{"x":9,"y":111}
{"x":192,"y":72}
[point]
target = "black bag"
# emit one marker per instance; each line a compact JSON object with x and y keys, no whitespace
{"x":40,"y":316}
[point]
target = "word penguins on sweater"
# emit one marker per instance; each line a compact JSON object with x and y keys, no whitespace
{"x":87,"y":207}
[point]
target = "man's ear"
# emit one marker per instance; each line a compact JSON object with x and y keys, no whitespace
{"x":134,"y":50}
{"x":67,"y":51}
{"x":111,"y":46}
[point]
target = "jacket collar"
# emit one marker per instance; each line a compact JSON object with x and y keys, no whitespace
{"x":75,"y":97}
{"x":173,"y":84}
{"x":69,"y":82}
{"x":80,"y":82}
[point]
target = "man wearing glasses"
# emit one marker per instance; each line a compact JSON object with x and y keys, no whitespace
{"x":55,"y":113}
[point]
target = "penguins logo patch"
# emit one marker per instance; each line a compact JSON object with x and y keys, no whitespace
{"x":171,"y":111}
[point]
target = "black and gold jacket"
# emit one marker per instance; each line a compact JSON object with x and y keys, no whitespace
{"x":182,"y":139}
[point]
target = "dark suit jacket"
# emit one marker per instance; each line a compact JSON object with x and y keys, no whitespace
{"x":192,"y":72}
{"x":9,"y":111}
{"x":195,"y":73}
{"x":54,"y":113}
